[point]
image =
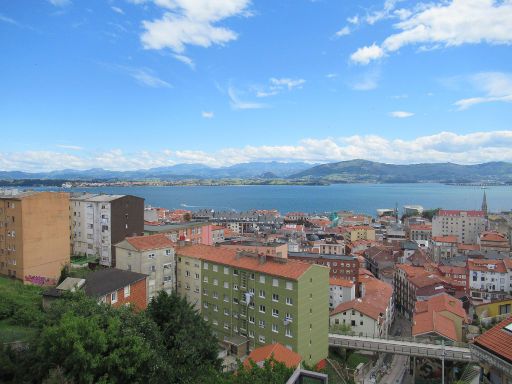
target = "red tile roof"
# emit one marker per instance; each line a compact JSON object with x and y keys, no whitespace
{"x":493,"y":236}
{"x":428,"y":322}
{"x":445,"y":239}
{"x":468,"y":247}
{"x":291,"y":269}
{"x":497,"y":340}
{"x":278,"y":351}
{"x":341,"y":283}
{"x":146,"y":243}
{"x":440,"y":303}
{"x":420,"y":227}
{"x":375,"y":300}
{"x":483,"y":265}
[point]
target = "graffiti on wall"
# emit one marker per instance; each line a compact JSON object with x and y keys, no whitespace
{"x":40,"y":280}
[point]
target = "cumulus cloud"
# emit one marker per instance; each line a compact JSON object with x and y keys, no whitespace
{"x":366,"y":54}
{"x":192,"y":22}
{"x":207,"y":115}
{"x":496,"y":86}
{"x":343,"y":32}
{"x":445,"y":24}
{"x":401,"y":114}
{"x":470,"y":148}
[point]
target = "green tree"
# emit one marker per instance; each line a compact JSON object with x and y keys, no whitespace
{"x":191,"y":347}
{"x":96,"y":343}
{"x":272,"y":372}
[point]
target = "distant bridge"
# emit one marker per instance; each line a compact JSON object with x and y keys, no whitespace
{"x":404,"y":346}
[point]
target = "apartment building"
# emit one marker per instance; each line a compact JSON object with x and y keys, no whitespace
{"x":443,"y":247}
{"x":152,"y":255}
{"x":195,"y":232}
{"x":359,"y":232}
{"x":259,"y":298}
{"x":341,"y":291}
{"x":465,"y":225}
{"x":492,"y":241}
{"x":34,"y":235}
{"x":99,"y":221}
{"x":419,"y":232}
{"x":369,"y":315}
{"x":217,"y":234}
{"x":489,"y":280}
{"x":341,"y":266}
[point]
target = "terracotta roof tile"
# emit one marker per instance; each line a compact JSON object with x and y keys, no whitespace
{"x":341,"y":282}
{"x":428,"y":322}
{"x":145,"y":243}
{"x":281,"y":353}
{"x":497,"y":340}
{"x":291,"y":269}
{"x":445,"y":239}
{"x":483,"y":265}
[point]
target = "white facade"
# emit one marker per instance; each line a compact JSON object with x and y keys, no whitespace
{"x":340,"y":294}
{"x":359,"y":323}
{"x":466,"y":225}
{"x":490,"y":282}
{"x":91,"y":228}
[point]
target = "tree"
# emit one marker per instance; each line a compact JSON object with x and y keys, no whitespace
{"x":191,"y":347}
{"x":272,"y":372}
{"x":96,"y":343}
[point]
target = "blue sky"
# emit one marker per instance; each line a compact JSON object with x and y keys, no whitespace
{"x":128,"y":84}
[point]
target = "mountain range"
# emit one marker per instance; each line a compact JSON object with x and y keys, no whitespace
{"x":354,"y":171}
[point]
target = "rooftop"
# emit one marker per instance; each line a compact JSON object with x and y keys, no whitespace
{"x":279,"y":352}
{"x":456,"y":212}
{"x":291,"y":269}
{"x":146,"y":243}
{"x":108,"y":280}
{"x":498,"y":340}
{"x":321,"y":256}
{"x":341,"y":283}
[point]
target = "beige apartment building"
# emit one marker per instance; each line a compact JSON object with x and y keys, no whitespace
{"x":34,"y":235}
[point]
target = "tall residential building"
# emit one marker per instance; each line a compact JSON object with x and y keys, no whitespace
{"x":489,"y":280}
{"x":152,"y":255}
{"x":258,"y":299}
{"x":466,"y":225}
{"x":100,"y":221}
{"x":34,"y":235}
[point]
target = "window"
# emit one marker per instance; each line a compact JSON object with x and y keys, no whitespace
{"x":251,"y":276}
{"x":226,"y":326}
{"x":275,"y":312}
{"x":251,"y":334}
{"x":226,"y":270}
{"x":289,"y":301}
{"x":215,"y":307}
{"x":152,"y":268}
{"x":262,"y":293}
{"x":127,"y":291}
{"x":261,"y":323}
{"x":205,"y":279}
{"x":288,"y":332}
{"x":197,"y":276}
{"x":262,"y":308}
{"x":226,"y":312}
{"x":215,"y":268}
{"x":275,"y":283}
{"x":235,"y":300}
{"x":215,"y":322}
{"x":151,"y":256}
{"x":261,"y":339}
{"x":205,"y":304}
{"x":187,"y":273}
{"x":205,"y":292}
{"x":226,"y":284}
{"x":251,"y":319}
{"x":205,"y":266}
{"x":215,"y":282}
{"x":113,"y":297}
{"x":167,"y":252}
{"x":235,"y":287}
{"x":226,"y":298}
{"x":275,"y":297}
{"x":353,"y":323}
{"x":289,"y":285}
{"x":274,"y":328}
{"x":235,"y":272}
{"x":288,"y":317}
{"x":262,"y":279}
{"x":215,"y":295}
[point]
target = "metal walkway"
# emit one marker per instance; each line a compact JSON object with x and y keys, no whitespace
{"x":403,"y":347}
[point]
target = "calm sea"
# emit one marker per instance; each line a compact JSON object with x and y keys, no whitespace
{"x":364,"y":198}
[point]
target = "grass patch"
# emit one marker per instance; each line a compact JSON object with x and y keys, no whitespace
{"x":10,"y":332}
{"x":355,"y":359}
{"x":21,"y":305}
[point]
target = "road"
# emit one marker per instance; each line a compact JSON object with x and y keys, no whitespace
{"x":399,"y":366}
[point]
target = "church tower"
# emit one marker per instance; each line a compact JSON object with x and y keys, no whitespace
{"x":484,"y":204}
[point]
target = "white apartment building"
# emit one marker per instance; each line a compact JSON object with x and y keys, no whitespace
{"x":98,"y":221}
{"x":489,"y":279}
{"x":466,"y":225}
{"x":152,"y":255}
{"x":340,"y":291}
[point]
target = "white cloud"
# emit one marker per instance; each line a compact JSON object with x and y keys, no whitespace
{"x":147,"y":78}
{"x":236,"y":103}
{"x":366,"y":54}
{"x":186,"y":60}
{"x":207,"y":115}
{"x":445,"y":24}
{"x":331,"y":75}
{"x":469,"y":148}
{"x":72,"y":147}
{"x":496,"y":86}
{"x":401,"y":114}
{"x":60,"y":3}
{"x":353,"y":20}
{"x":278,"y":85}
{"x":192,"y":22}
{"x":8,"y":20}
{"x":118,"y":10}
{"x":343,"y":32}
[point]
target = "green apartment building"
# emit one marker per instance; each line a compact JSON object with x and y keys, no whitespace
{"x":259,"y":298}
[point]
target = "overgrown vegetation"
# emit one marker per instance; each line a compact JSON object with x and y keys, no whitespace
{"x":80,"y":341}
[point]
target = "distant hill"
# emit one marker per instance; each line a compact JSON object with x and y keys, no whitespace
{"x":176,"y":172}
{"x":369,"y":171}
